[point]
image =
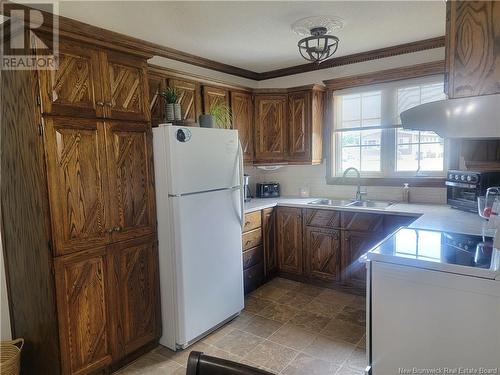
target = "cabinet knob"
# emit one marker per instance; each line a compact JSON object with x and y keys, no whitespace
{"x":117,"y":229}
{"x":99,"y":103}
{"x":109,"y":104}
{"x":109,"y":230}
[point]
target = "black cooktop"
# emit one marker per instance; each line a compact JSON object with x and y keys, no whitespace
{"x":436,"y":246}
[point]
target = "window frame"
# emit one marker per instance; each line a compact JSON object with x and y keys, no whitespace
{"x":389,"y":124}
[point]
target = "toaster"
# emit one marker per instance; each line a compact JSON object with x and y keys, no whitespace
{"x":267,"y":190}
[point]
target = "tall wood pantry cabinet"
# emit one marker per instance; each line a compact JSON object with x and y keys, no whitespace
{"x":79,"y":221}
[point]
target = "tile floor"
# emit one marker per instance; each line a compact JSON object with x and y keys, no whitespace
{"x":286,"y":328}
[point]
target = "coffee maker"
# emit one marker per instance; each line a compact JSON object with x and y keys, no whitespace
{"x":246,"y":187}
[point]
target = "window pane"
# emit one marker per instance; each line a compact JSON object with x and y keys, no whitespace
{"x":407,"y":158}
{"x":350,"y":158}
{"x":432,"y":93}
{"x":370,"y":159}
{"x":407,"y":136}
{"x":351,"y":124}
{"x":371,"y":137}
{"x":426,"y":137}
{"x":371,"y":122}
{"x":431,"y":157}
{"x":371,"y":103}
{"x":350,"y":138}
{"x":351,"y":107}
{"x":408,"y":97}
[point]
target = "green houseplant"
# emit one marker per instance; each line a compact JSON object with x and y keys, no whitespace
{"x":171,"y":96}
{"x":219,"y":116}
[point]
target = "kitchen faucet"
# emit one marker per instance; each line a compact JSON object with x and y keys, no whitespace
{"x":359,"y":193}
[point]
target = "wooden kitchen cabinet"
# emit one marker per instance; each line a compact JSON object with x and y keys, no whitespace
{"x":289,"y":233}
{"x":75,"y":89}
{"x":472,"y":48}
{"x":83,"y":312}
{"x":270,"y":128}
{"x":242,"y":112}
{"x":125,"y":87}
{"x":134,"y":298}
{"x":322,"y":253}
{"x":354,"y":245}
{"x":156,"y":84}
{"x":130,"y":178}
{"x":270,"y":241}
{"x":75,"y":154}
{"x":92,"y":82}
{"x":305,"y":125}
{"x":214,"y":95}
{"x":189,"y":98}
{"x":253,"y":251}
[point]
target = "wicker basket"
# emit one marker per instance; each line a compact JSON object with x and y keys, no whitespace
{"x":10,"y":357}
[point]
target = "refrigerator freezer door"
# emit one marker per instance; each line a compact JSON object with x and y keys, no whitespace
{"x":201,"y":159}
{"x":208,"y":261}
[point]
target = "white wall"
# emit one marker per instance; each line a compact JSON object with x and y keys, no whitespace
{"x":5,"y":332}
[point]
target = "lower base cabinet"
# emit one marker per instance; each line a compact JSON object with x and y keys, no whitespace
{"x":322,"y":253}
{"x":289,"y":233}
{"x":108,"y":304}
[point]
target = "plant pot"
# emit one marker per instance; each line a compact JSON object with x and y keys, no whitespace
{"x":207,"y":121}
{"x":169,"y":112}
{"x":177,"y":112}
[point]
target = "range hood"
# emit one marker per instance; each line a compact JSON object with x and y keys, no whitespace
{"x":476,"y":117}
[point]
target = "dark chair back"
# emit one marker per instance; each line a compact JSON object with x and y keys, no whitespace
{"x":201,"y":364}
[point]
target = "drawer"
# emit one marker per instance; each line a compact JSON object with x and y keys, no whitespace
{"x":322,"y":218}
{"x":252,"y":221}
{"x":363,"y":222}
{"x":252,"y":239}
{"x":253,"y":277}
{"x":252,"y":256}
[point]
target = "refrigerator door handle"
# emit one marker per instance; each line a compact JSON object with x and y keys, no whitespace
{"x":242,"y":193}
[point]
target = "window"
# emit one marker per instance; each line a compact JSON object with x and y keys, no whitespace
{"x":367,"y":132}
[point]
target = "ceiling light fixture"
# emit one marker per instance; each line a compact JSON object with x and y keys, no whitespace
{"x":317,"y":45}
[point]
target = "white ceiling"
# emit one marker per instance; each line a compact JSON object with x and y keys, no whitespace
{"x":256,"y":35}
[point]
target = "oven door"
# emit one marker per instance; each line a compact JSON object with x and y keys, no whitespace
{"x":462,"y":195}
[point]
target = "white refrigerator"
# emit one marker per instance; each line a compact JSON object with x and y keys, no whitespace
{"x":199,"y":197}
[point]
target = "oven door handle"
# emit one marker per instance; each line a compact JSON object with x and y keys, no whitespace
{"x":460,"y":184}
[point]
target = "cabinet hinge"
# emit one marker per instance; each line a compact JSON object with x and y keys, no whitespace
{"x":40,"y":128}
{"x":38,"y":103}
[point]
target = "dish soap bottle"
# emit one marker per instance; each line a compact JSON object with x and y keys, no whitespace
{"x":406,"y":193}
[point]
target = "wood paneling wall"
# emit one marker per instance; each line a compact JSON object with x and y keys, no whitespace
{"x":24,"y":203}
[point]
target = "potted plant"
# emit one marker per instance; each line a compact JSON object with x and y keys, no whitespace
{"x":219,"y":116}
{"x":172,"y":107}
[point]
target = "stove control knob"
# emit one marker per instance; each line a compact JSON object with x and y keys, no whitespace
{"x":457,"y":177}
{"x":462,"y":177}
{"x":450,"y":176}
{"x":469,"y":178}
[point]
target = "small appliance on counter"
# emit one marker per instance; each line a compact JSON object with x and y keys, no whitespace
{"x":267,"y":190}
{"x":246,"y":188}
{"x":464,"y":188}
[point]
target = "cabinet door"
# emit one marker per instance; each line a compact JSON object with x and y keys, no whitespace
{"x":125,"y":87}
{"x":299,"y":126}
{"x":131,"y":185}
{"x":270,"y":128}
{"x":242,"y":110}
{"x":354,"y":245}
{"x":156,"y":84}
{"x":77,"y":179}
{"x":214,"y":95}
{"x":189,"y":99}
{"x":289,"y":226}
{"x":269,"y":240}
{"x":74,"y":89}
{"x":322,"y":253}
{"x":133,"y":272}
{"x":82,"y":312}
{"x":473,"y":50}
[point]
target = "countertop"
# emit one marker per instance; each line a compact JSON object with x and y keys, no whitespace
{"x":428,"y":216}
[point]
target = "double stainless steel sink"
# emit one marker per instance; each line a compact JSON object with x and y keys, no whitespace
{"x":351,"y":203}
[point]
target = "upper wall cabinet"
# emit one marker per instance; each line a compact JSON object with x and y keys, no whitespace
{"x":189,"y":98}
{"x":473,"y":48}
{"x":288,"y":127}
{"x":95,"y":83}
{"x":242,"y":110}
{"x":156,"y":84}
{"x":75,"y":89}
{"x":214,"y":95}
{"x":270,"y":128}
